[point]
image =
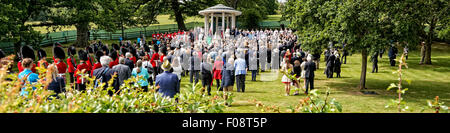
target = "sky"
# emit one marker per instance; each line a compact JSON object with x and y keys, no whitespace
{"x":281,"y":1}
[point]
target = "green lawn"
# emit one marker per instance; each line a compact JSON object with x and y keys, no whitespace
{"x":428,"y":81}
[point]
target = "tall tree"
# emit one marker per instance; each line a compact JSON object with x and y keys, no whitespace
{"x":78,"y":13}
{"x":365,"y":25}
{"x":13,"y":17}
{"x":184,"y":8}
{"x":433,"y":13}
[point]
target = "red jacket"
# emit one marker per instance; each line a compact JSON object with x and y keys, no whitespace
{"x":217,"y":70}
{"x":133,"y":59}
{"x":80,"y":68}
{"x":62,"y":67}
{"x":96,"y":65}
{"x":19,"y":65}
{"x":113,"y":63}
{"x":88,"y":62}
{"x":161,"y":58}
{"x":71,"y":64}
{"x":155,"y":56}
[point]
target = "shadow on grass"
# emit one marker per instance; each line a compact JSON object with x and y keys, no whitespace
{"x":419,"y":91}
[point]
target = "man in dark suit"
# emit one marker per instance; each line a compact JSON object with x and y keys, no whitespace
{"x":374,"y":60}
{"x":310,"y":67}
{"x":330,"y":65}
{"x":392,"y":53}
{"x":104,"y":74}
{"x":167,"y":82}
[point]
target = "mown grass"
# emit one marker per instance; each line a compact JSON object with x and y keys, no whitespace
{"x":428,"y":81}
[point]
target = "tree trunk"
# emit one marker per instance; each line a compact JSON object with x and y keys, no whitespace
{"x":429,"y":42}
{"x":82,"y":35}
{"x":178,"y":15}
{"x":362,"y":82}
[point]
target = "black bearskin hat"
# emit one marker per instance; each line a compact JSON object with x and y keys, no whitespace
{"x":27,"y":52}
{"x":71,"y":51}
{"x":82,"y":55}
{"x":105,"y":49}
{"x":113,"y":55}
{"x":58,"y":52}
{"x":41,"y":54}
{"x":98,"y":54}
{"x":146,"y":48}
{"x":89,"y":49}
{"x":115,"y":46}
{"x":123,"y":50}
{"x":2,"y":54}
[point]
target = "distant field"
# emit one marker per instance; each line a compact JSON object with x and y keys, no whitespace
{"x":162,"y":19}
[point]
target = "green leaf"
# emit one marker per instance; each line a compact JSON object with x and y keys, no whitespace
{"x":392,"y":86}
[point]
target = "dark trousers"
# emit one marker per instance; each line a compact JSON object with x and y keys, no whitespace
{"x":338,"y":74}
{"x":309,"y":83}
{"x":344,"y":57}
{"x":254,"y":72}
{"x":240,"y":82}
{"x":208,"y":86}
{"x":193,"y":75}
{"x":81,"y":87}
{"x":71,"y":77}
{"x":150,"y":80}
{"x":375,"y":67}
{"x":329,"y":71}
{"x":155,"y":71}
{"x":219,"y":87}
{"x":392,"y":61}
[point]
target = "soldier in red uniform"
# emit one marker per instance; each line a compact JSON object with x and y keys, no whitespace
{"x":26,"y":52}
{"x":58,"y":55}
{"x":114,"y":56}
{"x":81,"y":71}
{"x":42,"y":56}
{"x":98,"y":54}
{"x":72,"y":64}
{"x":90,"y":60}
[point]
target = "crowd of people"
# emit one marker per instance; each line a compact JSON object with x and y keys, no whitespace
{"x":224,"y":57}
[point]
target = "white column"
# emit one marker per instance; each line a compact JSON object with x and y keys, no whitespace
{"x":223,"y":22}
{"x":206,"y":23}
{"x":212,"y":23}
{"x":233,"y":21}
{"x":217,"y":25}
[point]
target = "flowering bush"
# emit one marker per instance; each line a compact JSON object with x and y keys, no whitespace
{"x":97,"y":100}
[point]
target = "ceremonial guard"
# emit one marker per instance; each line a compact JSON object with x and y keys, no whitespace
{"x":19,"y":63}
{"x":90,"y":60}
{"x":97,"y":65}
{"x":42,"y":56}
{"x":81,"y":70}
{"x":71,"y":51}
{"x":115,"y":59}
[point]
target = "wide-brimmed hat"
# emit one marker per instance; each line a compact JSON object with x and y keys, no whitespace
{"x":166,"y":65}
